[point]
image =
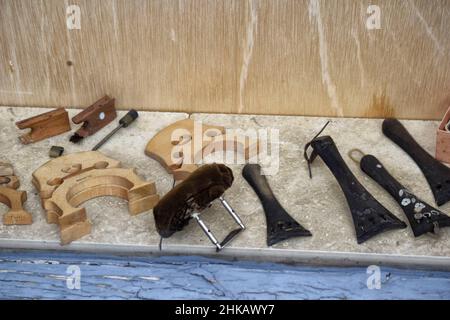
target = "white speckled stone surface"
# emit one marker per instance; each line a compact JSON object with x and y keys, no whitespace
{"x":318,"y":204}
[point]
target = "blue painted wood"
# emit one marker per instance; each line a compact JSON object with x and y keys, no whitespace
{"x":43,"y":275}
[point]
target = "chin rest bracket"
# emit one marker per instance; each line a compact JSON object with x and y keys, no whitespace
{"x":210,"y":235}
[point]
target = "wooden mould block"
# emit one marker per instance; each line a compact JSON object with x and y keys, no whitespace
{"x":45,"y":125}
{"x":14,"y":200}
{"x":62,"y":207}
{"x":165,"y":147}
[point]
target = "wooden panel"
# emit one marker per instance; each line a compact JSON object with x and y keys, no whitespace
{"x":54,"y":275}
{"x":267,"y":57}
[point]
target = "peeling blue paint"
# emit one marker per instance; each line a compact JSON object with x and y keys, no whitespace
{"x":43,"y":275}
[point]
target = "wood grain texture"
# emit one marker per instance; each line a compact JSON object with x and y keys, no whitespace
{"x":258,"y":56}
{"x":44,"y":275}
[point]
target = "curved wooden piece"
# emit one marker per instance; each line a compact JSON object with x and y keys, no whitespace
{"x":53,"y":173}
{"x":14,"y":200}
{"x":161,"y":146}
{"x":169,"y":146}
{"x":220,"y":144}
{"x":7,"y":177}
{"x":11,"y":182}
{"x":62,"y":208}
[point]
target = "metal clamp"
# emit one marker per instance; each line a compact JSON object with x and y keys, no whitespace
{"x":230,"y":236}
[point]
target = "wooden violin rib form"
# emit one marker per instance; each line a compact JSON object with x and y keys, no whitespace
{"x":280,"y":225}
{"x":422,"y":217}
{"x":370,"y":218}
{"x":436,"y":173}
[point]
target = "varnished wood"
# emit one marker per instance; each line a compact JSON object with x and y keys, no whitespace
{"x":298,"y":57}
{"x":95,"y":117}
{"x":43,"y":126}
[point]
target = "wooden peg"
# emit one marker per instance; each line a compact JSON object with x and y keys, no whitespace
{"x":45,"y":125}
{"x":94,"y":118}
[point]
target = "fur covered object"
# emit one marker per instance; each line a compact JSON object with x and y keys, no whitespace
{"x":207,"y":183}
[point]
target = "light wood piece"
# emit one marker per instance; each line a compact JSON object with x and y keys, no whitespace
{"x":62,"y":207}
{"x":291,"y":57}
{"x":7,"y":177}
{"x":6,"y":169}
{"x":14,"y":200}
{"x":11,"y":182}
{"x":443,"y":139}
{"x":53,"y":173}
{"x":66,"y":182}
{"x":181,"y":146}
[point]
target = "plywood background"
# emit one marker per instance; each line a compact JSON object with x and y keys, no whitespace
{"x":298,"y":57}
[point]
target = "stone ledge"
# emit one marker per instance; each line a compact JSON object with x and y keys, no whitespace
{"x":318,"y":204}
